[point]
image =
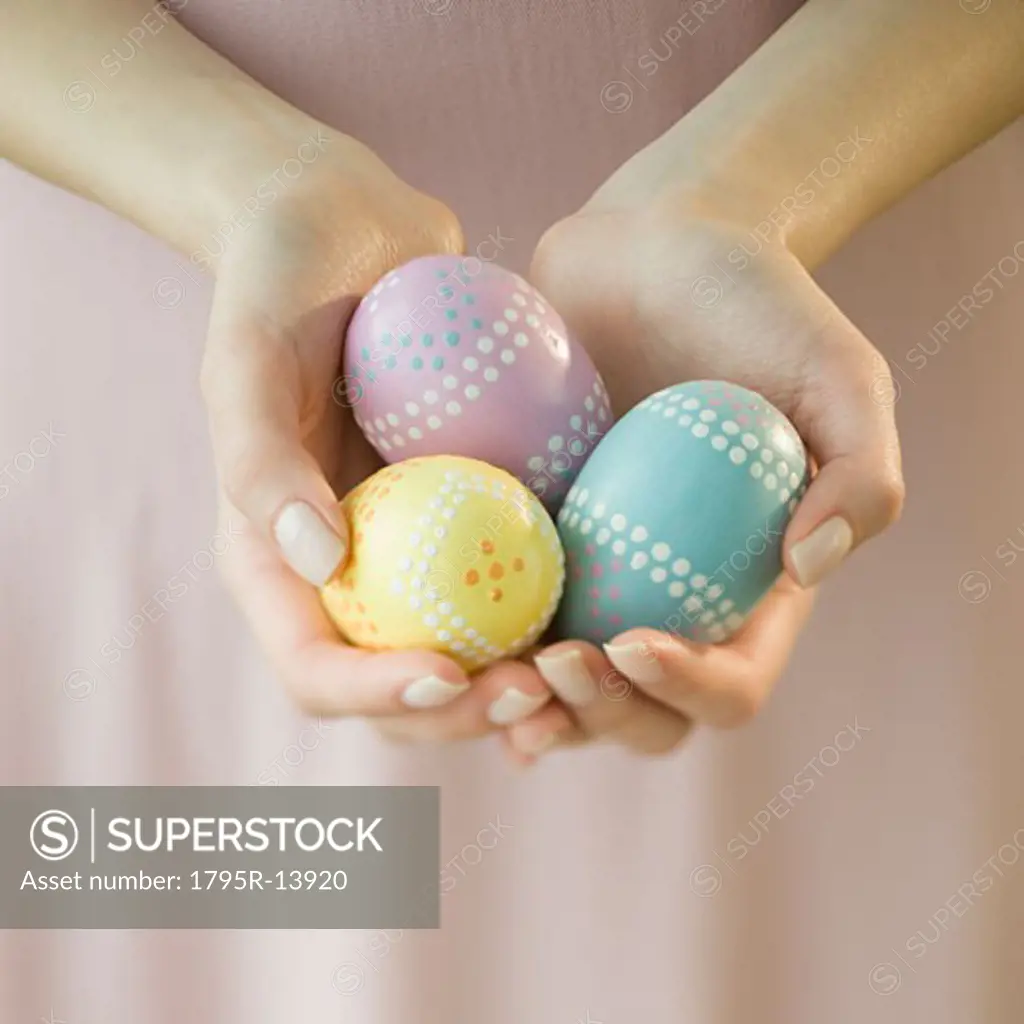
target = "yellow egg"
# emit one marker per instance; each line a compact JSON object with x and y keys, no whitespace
{"x":449,"y":554}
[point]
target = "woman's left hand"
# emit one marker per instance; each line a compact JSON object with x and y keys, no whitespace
{"x":660,"y":293}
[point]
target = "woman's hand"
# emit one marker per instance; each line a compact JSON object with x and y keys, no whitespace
{"x":193,"y":140}
{"x":652,"y":293}
{"x":691,"y":261}
{"x":286,"y":445}
{"x":701,"y":298}
{"x":297,"y":222}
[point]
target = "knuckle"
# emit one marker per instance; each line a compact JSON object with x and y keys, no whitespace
{"x":426,"y":226}
{"x":684,"y":687}
{"x":666,"y":743}
{"x":391,"y":733}
{"x":311,"y":699}
{"x":544,"y":267}
{"x":447,"y":230}
{"x":378,"y":246}
{"x":889,"y":494}
{"x":306,"y":699}
{"x":241,"y":472}
{"x":742,"y":707}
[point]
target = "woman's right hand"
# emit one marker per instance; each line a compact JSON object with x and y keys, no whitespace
{"x":193,"y":150}
{"x":286,"y":445}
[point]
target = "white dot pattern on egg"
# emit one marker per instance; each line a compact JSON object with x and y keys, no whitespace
{"x":451,"y":355}
{"x":428,"y":585}
{"x":448,"y":553}
{"x":696,"y":486}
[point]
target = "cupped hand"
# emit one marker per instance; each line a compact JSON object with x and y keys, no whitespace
{"x":661,"y":292}
{"x":286,"y":446}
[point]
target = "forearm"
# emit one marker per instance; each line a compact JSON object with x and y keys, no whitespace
{"x":169,"y":137}
{"x":916,"y":84}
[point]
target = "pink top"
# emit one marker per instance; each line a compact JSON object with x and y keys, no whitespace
{"x":681,"y":890}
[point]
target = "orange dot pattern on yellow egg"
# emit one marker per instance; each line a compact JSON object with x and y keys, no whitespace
{"x":449,"y":554}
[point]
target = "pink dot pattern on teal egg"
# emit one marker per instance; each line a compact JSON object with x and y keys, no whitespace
{"x":613,"y":558}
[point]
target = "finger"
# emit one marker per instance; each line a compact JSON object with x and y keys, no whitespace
{"x":723,"y":685}
{"x":850,"y":429}
{"x":323,"y":675}
{"x":537,"y":734}
{"x":604,"y":703}
{"x":584,"y":681}
{"x":526,"y":742}
{"x":326,"y":677}
{"x":504,"y":694}
{"x":252,"y":385}
{"x":517,"y":757}
{"x":551,"y":727}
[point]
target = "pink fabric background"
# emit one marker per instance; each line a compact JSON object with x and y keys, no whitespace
{"x":590,"y":904}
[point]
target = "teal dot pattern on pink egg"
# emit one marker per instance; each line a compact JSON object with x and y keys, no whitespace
{"x":451,"y":355}
{"x":677,"y":520}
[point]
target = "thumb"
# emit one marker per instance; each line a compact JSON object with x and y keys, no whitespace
{"x":858,"y":491}
{"x":252,"y":385}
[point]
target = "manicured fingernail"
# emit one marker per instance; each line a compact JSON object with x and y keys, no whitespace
{"x":537,"y":746}
{"x":637,"y":661}
{"x":514,"y":705}
{"x":307,"y":543}
{"x":567,"y":673}
{"x":431,"y":692}
{"x":822,"y":551}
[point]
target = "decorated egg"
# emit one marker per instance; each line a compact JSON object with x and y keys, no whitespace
{"x":450,"y":554}
{"x":448,"y":354}
{"x":677,"y":520}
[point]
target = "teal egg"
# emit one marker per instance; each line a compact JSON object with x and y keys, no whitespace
{"x":677,"y":519}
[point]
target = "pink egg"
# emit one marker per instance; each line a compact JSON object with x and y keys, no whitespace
{"x":448,"y":355}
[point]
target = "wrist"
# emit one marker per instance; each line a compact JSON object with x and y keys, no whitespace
{"x":253,"y":150}
{"x":834,"y":119}
{"x":712,"y":176}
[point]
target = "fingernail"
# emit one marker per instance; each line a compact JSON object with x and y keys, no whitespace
{"x":567,"y":673}
{"x":536,"y":747}
{"x":637,"y":661}
{"x":431,"y":692}
{"x":307,"y":543}
{"x":514,"y":705}
{"x":822,"y":551}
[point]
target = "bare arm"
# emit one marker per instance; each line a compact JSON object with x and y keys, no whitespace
{"x":691,"y":263}
{"x":181,"y":142}
{"x":923,"y":81}
{"x":168,"y":139}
